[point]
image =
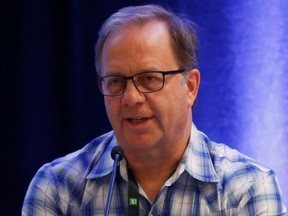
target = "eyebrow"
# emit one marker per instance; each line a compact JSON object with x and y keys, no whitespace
{"x":112,"y":73}
{"x":117,"y":73}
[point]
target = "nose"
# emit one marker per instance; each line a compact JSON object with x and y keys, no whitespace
{"x":131,"y":95}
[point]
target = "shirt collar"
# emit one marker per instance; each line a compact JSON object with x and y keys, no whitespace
{"x":197,"y":159}
{"x":104,"y":165}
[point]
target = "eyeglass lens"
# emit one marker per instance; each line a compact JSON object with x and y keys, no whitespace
{"x":144,"y":82}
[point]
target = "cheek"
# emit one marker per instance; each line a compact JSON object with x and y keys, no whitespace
{"x":111,"y":109}
{"x":177,"y":106}
{"x":166,"y":108}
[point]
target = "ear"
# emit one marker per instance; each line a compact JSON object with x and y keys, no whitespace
{"x":193,"y":83}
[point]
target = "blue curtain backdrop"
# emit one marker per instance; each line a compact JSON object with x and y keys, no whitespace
{"x":50,"y":104}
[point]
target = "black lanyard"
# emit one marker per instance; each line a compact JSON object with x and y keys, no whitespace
{"x":133,"y":195}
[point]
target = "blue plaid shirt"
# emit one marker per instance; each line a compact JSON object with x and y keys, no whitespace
{"x":211,"y":179}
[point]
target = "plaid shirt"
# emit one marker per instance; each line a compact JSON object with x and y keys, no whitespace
{"x":211,"y":179}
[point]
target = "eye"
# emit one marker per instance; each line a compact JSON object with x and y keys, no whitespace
{"x":148,"y":78}
{"x":114,"y":81}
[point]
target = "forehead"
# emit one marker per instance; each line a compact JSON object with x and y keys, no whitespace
{"x":138,"y":32}
{"x":138,"y":45}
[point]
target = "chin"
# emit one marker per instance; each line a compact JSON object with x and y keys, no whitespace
{"x":141,"y":142}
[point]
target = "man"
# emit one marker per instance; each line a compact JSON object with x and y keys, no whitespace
{"x":146,"y":58}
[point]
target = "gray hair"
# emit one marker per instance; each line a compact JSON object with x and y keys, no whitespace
{"x":182,"y":30}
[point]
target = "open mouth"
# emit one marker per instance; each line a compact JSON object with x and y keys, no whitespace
{"x":138,"y":120}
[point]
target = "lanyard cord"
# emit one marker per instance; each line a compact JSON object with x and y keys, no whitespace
{"x":133,"y":195}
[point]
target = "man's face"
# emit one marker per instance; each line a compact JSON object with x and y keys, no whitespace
{"x":147,"y":121}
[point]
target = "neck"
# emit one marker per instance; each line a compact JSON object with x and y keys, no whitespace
{"x":152,"y":170}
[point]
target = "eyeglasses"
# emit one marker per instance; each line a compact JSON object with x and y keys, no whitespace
{"x":145,"y":82}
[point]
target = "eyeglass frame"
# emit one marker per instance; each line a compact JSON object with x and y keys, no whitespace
{"x":164,"y":73}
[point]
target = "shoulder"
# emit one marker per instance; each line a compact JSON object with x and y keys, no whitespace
{"x":221,"y":161}
{"x":71,"y":170}
{"x":244,"y":183}
{"x":61,"y":183}
{"x":229,"y":162}
{"x":83,"y":158}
